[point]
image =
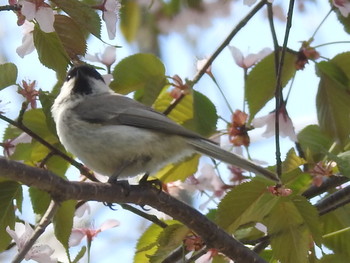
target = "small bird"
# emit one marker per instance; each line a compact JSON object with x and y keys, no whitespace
{"x":119,"y":137}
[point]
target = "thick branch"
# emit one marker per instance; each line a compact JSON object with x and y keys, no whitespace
{"x":62,"y":190}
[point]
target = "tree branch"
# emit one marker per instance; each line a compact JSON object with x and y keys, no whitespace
{"x":62,"y":190}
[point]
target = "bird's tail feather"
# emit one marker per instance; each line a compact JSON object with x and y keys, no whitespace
{"x":214,"y":151}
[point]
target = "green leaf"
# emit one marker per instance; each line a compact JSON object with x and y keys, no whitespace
{"x":147,"y":243}
{"x":311,"y":138}
{"x":343,"y":163}
{"x":63,"y":221}
{"x":171,"y":238}
{"x":40,"y":200}
{"x":144,"y":73}
{"x":248,"y":202}
{"x":288,"y":232}
{"x":46,"y":100}
{"x":205,"y":116}
{"x":179,"y":171}
{"x":82,"y":14}
{"x":11,"y":132}
{"x":8,"y":192}
{"x":310,"y":216}
{"x":334,"y":258}
{"x":292,"y":161}
{"x":183,"y":110}
{"x":51,"y":51}
{"x":80,"y":255}
{"x":297,"y":181}
{"x":8,"y":75}
{"x":23,"y":152}
{"x":130,"y":19}
{"x":335,"y":221}
{"x":71,"y":36}
{"x":332,"y":100}
{"x":261,"y":81}
{"x":35,"y":120}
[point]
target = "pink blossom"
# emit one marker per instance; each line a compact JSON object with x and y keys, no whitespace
{"x":285,"y":125}
{"x":79,"y":233}
{"x":110,"y":16}
{"x":10,"y":144}
{"x":249,"y":60}
{"x":27,"y":46}
{"x":343,"y":6}
{"x":41,"y":12}
{"x":38,"y":253}
{"x":107,"y":57}
{"x":201,"y":63}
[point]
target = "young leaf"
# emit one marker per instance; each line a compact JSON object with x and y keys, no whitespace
{"x":40,"y":200}
{"x":313,"y":139}
{"x":8,"y":192}
{"x":82,"y":14}
{"x":332,"y":222}
{"x":171,"y":238}
{"x":140,"y":72}
{"x":261,"y":81}
{"x":332,"y":100}
{"x":288,"y":232}
{"x":130,"y":20}
{"x":147,"y":243}
{"x":179,"y":171}
{"x":344,"y":163}
{"x":71,"y":36}
{"x":51,"y":51}
{"x":8,"y":75}
{"x":63,"y":221}
{"x":183,"y":110}
{"x":248,"y":202}
{"x":205,"y":116}
{"x":292,"y":161}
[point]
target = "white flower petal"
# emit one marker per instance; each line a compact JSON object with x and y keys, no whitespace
{"x":108,"y":56}
{"x":110,"y":223}
{"x":110,"y":19}
{"x":27,"y":46}
{"x":75,"y":238}
{"x":28,"y":10}
{"x":249,"y":2}
{"x":237,"y":56}
{"x":45,"y":18}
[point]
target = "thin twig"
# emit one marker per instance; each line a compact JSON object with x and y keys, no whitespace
{"x":10,"y":7}
{"x":56,"y":151}
{"x":44,"y":222}
{"x":227,"y":41}
{"x":278,"y":94}
{"x":140,"y":213}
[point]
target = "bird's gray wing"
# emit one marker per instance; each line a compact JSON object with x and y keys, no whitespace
{"x":113,"y":109}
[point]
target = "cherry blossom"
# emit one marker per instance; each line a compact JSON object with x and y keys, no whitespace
{"x":285,"y":124}
{"x":39,"y":253}
{"x":107,"y":57}
{"x":79,"y":233}
{"x":41,"y":12}
{"x":343,"y":6}
{"x":10,"y":144}
{"x":249,"y":60}
{"x":201,"y":63}
{"x":110,"y":15}
{"x":28,"y":91}
{"x":27,"y":46}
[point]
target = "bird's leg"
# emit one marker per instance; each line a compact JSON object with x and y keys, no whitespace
{"x":123,"y":183}
{"x":153,"y":183}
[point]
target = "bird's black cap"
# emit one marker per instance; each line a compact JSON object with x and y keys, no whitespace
{"x":82,"y":73}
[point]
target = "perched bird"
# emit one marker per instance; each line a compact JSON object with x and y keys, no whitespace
{"x":120,"y":137}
